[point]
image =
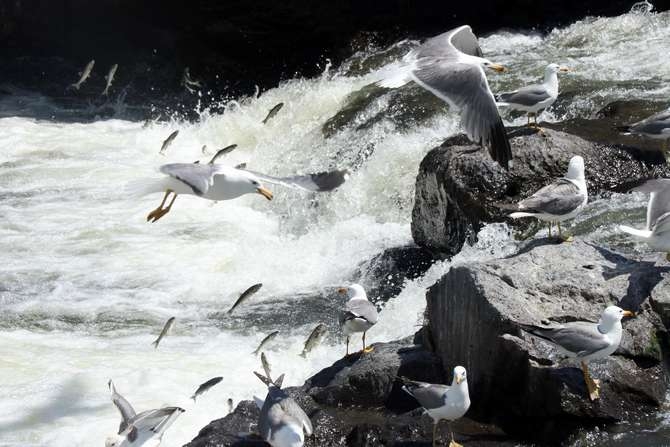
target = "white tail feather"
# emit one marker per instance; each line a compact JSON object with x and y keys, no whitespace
{"x":395,"y":76}
{"x":521,"y":214}
{"x":145,"y":186}
{"x":642,"y":234}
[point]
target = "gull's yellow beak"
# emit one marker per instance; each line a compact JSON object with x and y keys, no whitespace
{"x":459,"y":379}
{"x":628,"y":313}
{"x":497,"y":67}
{"x":563,"y":69}
{"x":264,"y":192}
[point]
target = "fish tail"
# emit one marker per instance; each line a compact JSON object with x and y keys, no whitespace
{"x":303,"y":354}
{"x":255,"y":352}
{"x":193,"y":397}
{"x":155,"y":344}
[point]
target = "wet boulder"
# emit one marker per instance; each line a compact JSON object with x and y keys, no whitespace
{"x":516,"y":380}
{"x":459,"y":188}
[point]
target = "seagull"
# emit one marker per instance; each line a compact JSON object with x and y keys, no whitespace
{"x":450,"y":66}
{"x":282,"y":423}
{"x":561,"y":200}
{"x":358,"y":315}
{"x":140,"y":430}
{"x":219,"y":182}
{"x":585,"y":340}
{"x":535,"y":97}
{"x":657,"y":232}
{"x":442,"y":402}
{"x":656,"y":127}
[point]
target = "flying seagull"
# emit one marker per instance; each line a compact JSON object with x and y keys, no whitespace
{"x":561,"y":200}
{"x":451,"y":67}
{"x":657,"y":231}
{"x":282,"y":423}
{"x":656,"y":127}
{"x":585,"y":340}
{"x":442,"y":402}
{"x":145,"y":429}
{"x":535,"y":97}
{"x":219,"y":182}
{"x":358,"y":314}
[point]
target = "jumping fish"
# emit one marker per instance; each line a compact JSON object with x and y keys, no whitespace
{"x":168,"y":141}
{"x":314,"y":339}
{"x":221,"y":152}
{"x":204,"y":149}
{"x":241,"y":166}
{"x":266,"y":365}
{"x":110,"y":78}
{"x":84,"y":75}
{"x":273,"y":111}
{"x":166,"y":328}
{"x":265,"y":341}
{"x":206,"y":386}
{"x":246,"y":294}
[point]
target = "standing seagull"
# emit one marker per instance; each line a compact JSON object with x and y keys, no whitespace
{"x":282,"y":423}
{"x":442,"y":402}
{"x":585,"y":340}
{"x":561,"y":200}
{"x":535,"y":97}
{"x":656,"y":127}
{"x":450,"y":66}
{"x":358,"y":315}
{"x":140,"y":430}
{"x":218,"y":182}
{"x":657,"y":232}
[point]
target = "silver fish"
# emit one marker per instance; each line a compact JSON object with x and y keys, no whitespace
{"x":84,"y":75}
{"x":246,"y":294}
{"x":266,"y":365}
{"x":166,"y":328}
{"x":204,"y":149}
{"x":230,"y":405}
{"x":110,"y":78}
{"x":168,"y":141}
{"x":221,"y":152}
{"x":186,"y":80}
{"x":206,"y":386}
{"x":273,"y":111}
{"x":317,"y":335}
{"x":265,"y":341}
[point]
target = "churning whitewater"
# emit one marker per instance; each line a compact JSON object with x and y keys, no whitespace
{"x":87,"y":283}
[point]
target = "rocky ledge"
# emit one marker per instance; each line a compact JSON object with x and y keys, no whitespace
{"x":459,"y":188}
{"x":515,"y":381}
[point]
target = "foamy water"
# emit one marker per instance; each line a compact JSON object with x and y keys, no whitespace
{"x":87,"y":284}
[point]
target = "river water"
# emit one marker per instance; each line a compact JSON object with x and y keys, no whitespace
{"x":87,"y":283}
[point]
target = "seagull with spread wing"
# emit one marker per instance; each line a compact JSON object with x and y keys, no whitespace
{"x":451,"y":67}
{"x":657,"y":231}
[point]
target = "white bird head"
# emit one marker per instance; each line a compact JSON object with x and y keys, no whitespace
{"x":354,"y":291}
{"x":614,"y":314}
{"x":555,"y":68}
{"x":460,"y":375}
{"x":247,"y":183}
{"x":576,"y":168}
{"x":113,"y":441}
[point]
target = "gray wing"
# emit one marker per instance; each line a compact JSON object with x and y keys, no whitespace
{"x":198,"y":176}
{"x":661,"y":225}
{"x":292,"y":409}
{"x":127,"y":411}
{"x":155,"y":420}
{"x":659,"y":199}
{"x":579,"y":337}
{"x":465,"y":87}
{"x":321,"y":182}
{"x":526,"y":96}
{"x":653,"y":125}
{"x":361,"y":309}
{"x":557,"y":198}
{"x":427,"y":394}
{"x":461,"y":39}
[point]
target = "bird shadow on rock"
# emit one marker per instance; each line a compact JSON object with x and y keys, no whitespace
{"x":643,"y":276}
{"x":535,"y":243}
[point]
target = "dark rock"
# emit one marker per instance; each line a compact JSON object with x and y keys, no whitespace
{"x":515,"y":380}
{"x":459,"y":187}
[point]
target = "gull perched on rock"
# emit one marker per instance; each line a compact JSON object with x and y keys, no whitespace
{"x":219,"y":182}
{"x":282,"y":423}
{"x":535,"y":97}
{"x":657,"y":232}
{"x":442,"y":402}
{"x":140,"y":430}
{"x":358,"y":315}
{"x":656,"y":127}
{"x":450,"y":66}
{"x":561,"y":200}
{"x":585,"y":340}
